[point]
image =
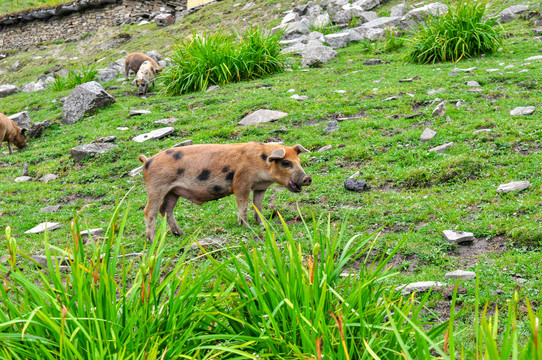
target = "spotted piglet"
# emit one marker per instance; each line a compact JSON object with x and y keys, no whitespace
{"x":202,"y":173}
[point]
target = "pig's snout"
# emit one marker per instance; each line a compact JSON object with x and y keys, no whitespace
{"x":306,"y":181}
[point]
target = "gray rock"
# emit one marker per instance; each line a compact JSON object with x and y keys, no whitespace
{"x":162,"y":63}
{"x":117,"y":65}
{"x":49,"y":226}
{"x":442,"y":148}
{"x":249,"y":5}
{"x":48,"y":177}
{"x":481,"y":131}
{"x":355,"y":35}
{"x":382,"y":22}
{"x":50,"y":209}
{"x":420,"y":286}
{"x":315,"y":35}
{"x":458,"y":237}
{"x":341,"y":17}
{"x":296,"y":29}
{"x":207,"y":242}
{"x":325,"y":148}
{"x":184,"y":143}
{"x":296,"y":48}
{"x":155,"y":55}
{"x":367,"y":4}
{"x":353,"y":11}
{"x":461,"y":274}
{"x":6,"y":90}
{"x":154,"y":135}
{"x":299,"y":97}
{"x":44,"y":261}
{"x":473,"y":83}
{"x":413,"y":18}
{"x":428,"y":134}
{"x":136,"y":171}
{"x":107,"y":74}
{"x":331,"y":127}
{"x":164,"y":19}
{"x":354,"y":183}
{"x":440,"y":110}
{"x":532,"y":58}
{"x":91,"y":233}
{"x":370,"y":62}
{"x":22,"y":179}
{"x":106,"y":139}
{"x":166,"y":121}
{"x":16,"y":65}
{"x":34,"y":86}
{"x":467,"y":70}
{"x":321,"y":21}
{"x":80,"y":152}
{"x":315,"y":56}
{"x":261,"y":116}
{"x":212,"y":88}
{"x":513,"y":186}
{"x":367,"y":16}
{"x":314,"y":43}
{"x":398,"y":10}
{"x":434,"y":92}
{"x":528,"y":110}
{"x":417,"y":77}
{"x":337,"y":40}
{"x":374,"y":34}
{"x":84,"y":98}
{"x":22,"y":119}
{"x":511,"y":12}
{"x":138,"y":112}
{"x":291,"y":17}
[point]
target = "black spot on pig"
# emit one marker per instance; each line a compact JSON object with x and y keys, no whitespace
{"x":178,"y":155}
{"x":216,"y":190}
{"x":264,"y":157}
{"x":180,"y":171}
{"x":148,"y":164}
{"x":204,"y":175}
{"x":168,"y":152}
{"x":225,"y":169}
{"x":229,"y":177}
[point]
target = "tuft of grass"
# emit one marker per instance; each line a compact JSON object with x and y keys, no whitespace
{"x":463,"y":32}
{"x":204,"y":60}
{"x":74,"y":78}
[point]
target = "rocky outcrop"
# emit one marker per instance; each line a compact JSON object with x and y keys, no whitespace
{"x":84,"y":98}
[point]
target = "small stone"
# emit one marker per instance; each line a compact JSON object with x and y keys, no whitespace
{"x":92,"y":232}
{"x":417,"y":77}
{"x":434,"y":92}
{"x":442,"y":148}
{"x":469,"y":70}
{"x":537,"y":57}
{"x":461,"y":274}
{"x":212,"y":88}
{"x":420,"y":286}
{"x":138,"y":112}
{"x":458,"y":237}
{"x":291,"y":91}
{"x":440,"y":110}
{"x":353,"y":183}
{"x":528,"y":110}
{"x":136,"y":171}
{"x":427,"y":135}
{"x":154,"y":135}
{"x":298,"y":97}
{"x":22,"y":179}
{"x":520,"y":280}
{"x":207,"y":242}
{"x":80,"y":152}
{"x":166,"y":121}
{"x":50,"y":209}
{"x":48,"y":177}
{"x":184,"y":143}
{"x":262,"y":116}
{"x":481,"y":131}
{"x":249,"y":5}
{"x":370,"y":62}
{"x":473,"y":83}
{"x":331,"y":127}
{"x":84,"y":98}
{"x":394,"y":97}
{"x":123,"y":128}
{"x":513,"y":186}
{"x":49,"y":226}
{"x":325,"y":148}
{"x":492,"y":70}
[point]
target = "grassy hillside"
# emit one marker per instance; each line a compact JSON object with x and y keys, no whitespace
{"x":414,"y":193}
{"x":8,"y":6}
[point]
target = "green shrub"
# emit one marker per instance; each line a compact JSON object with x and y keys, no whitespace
{"x":74,"y":78}
{"x":463,"y":32}
{"x":217,"y":59}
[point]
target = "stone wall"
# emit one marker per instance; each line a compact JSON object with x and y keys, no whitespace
{"x":69,"y":21}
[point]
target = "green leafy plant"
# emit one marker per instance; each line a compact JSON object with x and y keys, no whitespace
{"x":217,"y":59}
{"x":74,"y":78}
{"x":463,"y":32}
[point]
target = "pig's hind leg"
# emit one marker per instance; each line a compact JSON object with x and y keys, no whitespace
{"x":151,"y":210}
{"x":257,"y":199}
{"x":168,"y":204}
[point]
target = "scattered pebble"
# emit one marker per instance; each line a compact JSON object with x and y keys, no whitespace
{"x":420,"y":286}
{"x":325,"y":148}
{"x":22,"y":179}
{"x":461,"y":274}
{"x":513,"y":186}
{"x":138,"y":112}
{"x":527,"y":110}
{"x":331,"y":127}
{"x":50,"y":226}
{"x":428,"y":134}
{"x":299,"y":97}
{"x":355,"y":184}
{"x":440,"y":110}
{"x":442,"y":148}
{"x":458,"y":237}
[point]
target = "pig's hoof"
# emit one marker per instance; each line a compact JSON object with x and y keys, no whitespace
{"x":177,"y":232}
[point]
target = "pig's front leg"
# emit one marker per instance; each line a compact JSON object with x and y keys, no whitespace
{"x":242,"y":197}
{"x":257,"y":199}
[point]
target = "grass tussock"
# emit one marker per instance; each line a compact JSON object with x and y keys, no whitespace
{"x":200,"y":61}
{"x":74,"y":78}
{"x":463,"y":32}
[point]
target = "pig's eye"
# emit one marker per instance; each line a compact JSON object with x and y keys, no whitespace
{"x":286,"y":163}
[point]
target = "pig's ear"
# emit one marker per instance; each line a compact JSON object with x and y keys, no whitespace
{"x":300,"y":149}
{"x":277,"y":155}
{"x":23,"y":132}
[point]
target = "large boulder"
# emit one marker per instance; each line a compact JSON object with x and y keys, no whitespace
{"x":80,"y":152}
{"x":117,"y":65}
{"x":7,"y":90}
{"x":107,"y":74}
{"x":22,"y":119}
{"x":511,"y":13}
{"x":317,"y":55}
{"x":295,"y":29}
{"x":84,"y":98}
{"x":367,"y":4}
{"x":34,"y":86}
{"x":416,"y":16}
{"x":155,"y":55}
{"x":337,"y":40}
{"x":382,"y":22}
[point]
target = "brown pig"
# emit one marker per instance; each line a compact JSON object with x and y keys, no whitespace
{"x":10,"y":132}
{"x":202,"y":173}
{"x":144,"y":77}
{"x":134,"y":60}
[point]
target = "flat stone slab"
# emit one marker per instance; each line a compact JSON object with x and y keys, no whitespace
{"x":92,"y":232}
{"x":207,"y":242}
{"x":442,"y":148}
{"x":440,"y":110}
{"x":458,"y":237}
{"x":526,"y":110}
{"x":38,"y":229}
{"x":420,"y":286}
{"x":461,"y":274}
{"x":299,"y":97}
{"x":138,"y":112}
{"x":80,"y":152}
{"x":166,"y":121}
{"x":48,"y":177}
{"x":513,"y":186}
{"x":50,"y":209}
{"x":155,"y":134}
{"x":184,"y":143}
{"x":473,"y":83}
{"x":262,"y":116}
{"x":22,"y":179}
{"x":428,"y":134}
{"x":325,"y":148}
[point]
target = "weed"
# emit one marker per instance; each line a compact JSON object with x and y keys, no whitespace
{"x":74,"y":78}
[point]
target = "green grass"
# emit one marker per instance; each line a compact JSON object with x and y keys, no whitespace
{"x":74,"y":78}
{"x":9,"y":6}
{"x":413,"y":191}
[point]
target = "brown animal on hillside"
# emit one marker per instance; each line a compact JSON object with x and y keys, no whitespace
{"x":202,"y":173}
{"x":10,"y":132}
{"x":134,"y":60}
{"x":144,"y":77}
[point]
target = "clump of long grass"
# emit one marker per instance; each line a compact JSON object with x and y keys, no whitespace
{"x":75,"y":77}
{"x":463,"y":32}
{"x":203,"y":60}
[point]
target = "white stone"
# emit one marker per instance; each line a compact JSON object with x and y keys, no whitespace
{"x":166,"y":121}
{"x":138,"y":112}
{"x":48,"y":177}
{"x":461,"y":274}
{"x":513,"y":186}
{"x":50,"y":226}
{"x":22,"y":179}
{"x":325,"y":148}
{"x":537,"y":57}
{"x":473,"y":83}
{"x":440,"y":110}
{"x":155,"y":134}
{"x":91,"y":232}
{"x":528,"y":110}
{"x":458,"y":237}
{"x":433,"y":92}
{"x":262,"y":116}
{"x":481,"y":131}
{"x":442,"y":148}
{"x":184,"y":143}
{"x":299,"y":97}
{"x":123,"y":128}
{"x":420,"y":286}
{"x":428,"y":134}
{"x":492,"y":70}
{"x":338,"y":40}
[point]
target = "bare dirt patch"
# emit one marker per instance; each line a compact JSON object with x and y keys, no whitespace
{"x":467,"y":254}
